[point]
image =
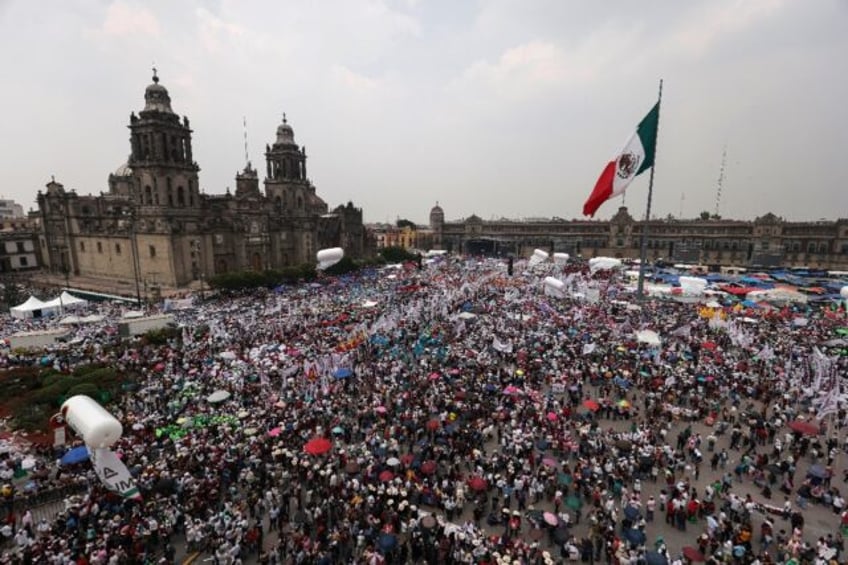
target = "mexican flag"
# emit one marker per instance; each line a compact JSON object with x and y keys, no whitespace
{"x":637,"y":157}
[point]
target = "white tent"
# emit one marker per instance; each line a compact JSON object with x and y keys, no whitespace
{"x":29,"y":309}
{"x":65,"y":301}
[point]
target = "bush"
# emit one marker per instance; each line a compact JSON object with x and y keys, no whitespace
{"x":161,"y":336}
{"x":343,"y":267}
{"x":254,"y":279}
{"x":397,"y":255}
{"x":88,"y":389}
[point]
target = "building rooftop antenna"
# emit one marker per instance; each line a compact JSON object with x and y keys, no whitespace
{"x":246,"y":154}
{"x":720,"y":180}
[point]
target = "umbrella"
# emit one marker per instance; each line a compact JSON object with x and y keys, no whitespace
{"x":407,"y":459}
{"x":634,"y":536}
{"x":564,"y":479}
{"x":386,"y":476}
{"x":477,"y":483}
{"x":561,"y":534}
{"x":433,"y":425}
{"x":342,"y":373}
{"x":542,"y":445}
{"x":380,"y":410}
{"x":75,"y":455}
{"x":428,"y":522}
{"x":817,"y":471}
{"x":352,"y":467}
{"x":552,"y":417}
{"x":274,"y":432}
{"x":387,"y":542}
{"x":428,"y":467}
{"x":550,"y":518}
{"x":573,"y":502}
{"x":338,"y":430}
{"x":591,"y":405}
{"x":318,"y":446}
{"x":624,"y":445}
{"x":802,"y":427}
{"x":693,"y":554}
{"x":549,"y":462}
{"x":392,"y":461}
{"x":655,"y":558}
{"x":631,"y":513}
{"x":218,"y":396}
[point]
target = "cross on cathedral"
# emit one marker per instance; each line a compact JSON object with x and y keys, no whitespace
{"x":284,"y":118}
{"x":155,"y":76}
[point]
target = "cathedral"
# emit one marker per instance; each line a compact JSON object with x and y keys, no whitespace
{"x":155,"y":224}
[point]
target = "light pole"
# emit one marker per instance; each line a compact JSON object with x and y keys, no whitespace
{"x":135,"y":259}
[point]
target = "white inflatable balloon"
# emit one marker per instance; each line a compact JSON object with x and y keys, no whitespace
{"x":537,"y":257}
{"x":329,"y":257}
{"x":603,"y":264}
{"x":97,"y":427}
{"x":554,"y":287}
{"x":561,"y":258}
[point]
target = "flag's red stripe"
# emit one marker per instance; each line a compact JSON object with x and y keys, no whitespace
{"x":602,"y":191}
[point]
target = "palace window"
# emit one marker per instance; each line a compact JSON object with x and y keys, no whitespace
{"x":99,"y":247}
{"x":117,"y":248}
{"x":82,"y":246}
{"x":152,"y":250}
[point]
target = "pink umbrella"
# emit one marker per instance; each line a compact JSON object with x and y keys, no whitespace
{"x":511,"y":389}
{"x":549,"y":462}
{"x":380,"y":410}
{"x":434,"y":376}
{"x":275,"y":431}
{"x":550,"y":519}
{"x":552,"y":417}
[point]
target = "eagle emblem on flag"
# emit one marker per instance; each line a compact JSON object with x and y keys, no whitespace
{"x":628,"y":163}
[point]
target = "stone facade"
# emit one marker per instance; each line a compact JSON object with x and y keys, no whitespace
{"x":768,"y":241}
{"x":155,"y":224}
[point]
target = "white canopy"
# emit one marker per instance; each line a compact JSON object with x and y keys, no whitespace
{"x":28,"y":308}
{"x":65,"y":300}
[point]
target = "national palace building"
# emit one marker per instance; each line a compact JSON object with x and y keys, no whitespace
{"x":768,"y":241}
{"x":155,"y":220}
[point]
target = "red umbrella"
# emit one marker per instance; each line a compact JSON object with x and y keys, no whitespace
{"x":407,"y":459}
{"x":428,"y":467}
{"x":692,"y":554}
{"x":803,"y":427}
{"x":318,"y":446}
{"x":477,"y":483}
{"x":386,"y":476}
{"x":433,"y":425}
{"x":591,"y":405}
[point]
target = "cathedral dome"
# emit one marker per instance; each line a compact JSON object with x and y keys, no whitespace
{"x":124,"y":171}
{"x":156,"y":97}
{"x":285,"y":133}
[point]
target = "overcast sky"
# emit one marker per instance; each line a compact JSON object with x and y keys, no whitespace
{"x":502,"y":108}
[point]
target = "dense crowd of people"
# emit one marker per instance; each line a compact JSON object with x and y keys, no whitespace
{"x":456,"y":414}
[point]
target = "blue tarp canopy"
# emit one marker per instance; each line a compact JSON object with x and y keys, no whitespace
{"x":75,"y":455}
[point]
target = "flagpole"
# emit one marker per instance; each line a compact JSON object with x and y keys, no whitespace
{"x":643,"y":252}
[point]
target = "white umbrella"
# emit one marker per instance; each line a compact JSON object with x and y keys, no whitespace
{"x":218,"y":396}
{"x":392,"y":461}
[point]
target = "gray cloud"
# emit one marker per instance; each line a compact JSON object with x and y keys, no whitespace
{"x":499,"y":108}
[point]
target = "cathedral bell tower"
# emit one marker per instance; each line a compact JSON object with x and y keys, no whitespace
{"x":286,"y":183}
{"x":161,"y":158}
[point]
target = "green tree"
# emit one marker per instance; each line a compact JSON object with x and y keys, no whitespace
{"x":404,"y":223}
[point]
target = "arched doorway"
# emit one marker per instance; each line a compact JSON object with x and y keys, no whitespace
{"x":256,"y":262}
